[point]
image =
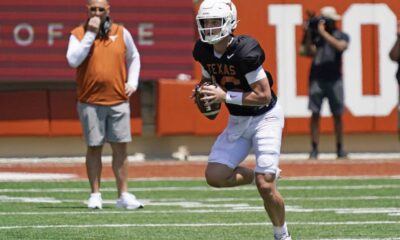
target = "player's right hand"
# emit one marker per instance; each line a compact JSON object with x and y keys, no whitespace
{"x":94,"y":24}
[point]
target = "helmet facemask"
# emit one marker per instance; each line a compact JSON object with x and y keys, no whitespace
{"x":213,"y":35}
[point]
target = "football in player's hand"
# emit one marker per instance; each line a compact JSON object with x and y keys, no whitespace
{"x":210,"y":111}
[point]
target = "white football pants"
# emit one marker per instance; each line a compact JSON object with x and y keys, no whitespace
{"x":263,"y":133}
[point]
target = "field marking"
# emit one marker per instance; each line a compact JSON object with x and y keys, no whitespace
{"x":27,"y":176}
{"x":205,"y":188}
{"x":351,"y":156}
{"x":4,"y":198}
{"x":193,"y":207}
{"x":140,"y":157}
{"x":64,"y":160}
{"x":13,"y":176}
{"x":395,"y":238}
{"x":197,"y":224}
{"x":317,"y":178}
{"x":231,"y":199}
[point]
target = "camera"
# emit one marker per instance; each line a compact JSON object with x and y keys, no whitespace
{"x":313,"y":26}
{"x":314,"y":21}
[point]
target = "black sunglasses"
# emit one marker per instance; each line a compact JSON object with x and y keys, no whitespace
{"x":94,"y":9}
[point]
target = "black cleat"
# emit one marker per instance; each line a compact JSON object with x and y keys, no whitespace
{"x":341,"y":154}
{"x":313,"y":154}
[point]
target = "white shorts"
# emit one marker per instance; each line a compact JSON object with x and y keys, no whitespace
{"x":105,"y":123}
{"x":262,"y":133}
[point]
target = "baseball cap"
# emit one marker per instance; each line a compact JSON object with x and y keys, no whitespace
{"x":330,"y":12}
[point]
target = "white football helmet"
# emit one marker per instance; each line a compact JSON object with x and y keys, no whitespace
{"x":224,"y":10}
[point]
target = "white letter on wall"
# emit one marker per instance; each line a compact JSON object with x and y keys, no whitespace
{"x":285,"y":18}
{"x":27,"y":41}
{"x":385,"y":19}
{"x":53,"y":33}
{"x":146,"y":34}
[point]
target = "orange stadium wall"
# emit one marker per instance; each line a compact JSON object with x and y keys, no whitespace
{"x":371,"y":90}
{"x":48,"y":113}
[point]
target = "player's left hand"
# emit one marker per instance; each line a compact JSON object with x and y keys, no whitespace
{"x":129,"y":90}
{"x":213,"y":94}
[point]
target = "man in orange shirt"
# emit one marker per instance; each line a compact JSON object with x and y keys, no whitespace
{"x":107,"y":70}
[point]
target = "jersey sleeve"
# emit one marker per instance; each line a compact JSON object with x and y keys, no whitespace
{"x":197,"y":51}
{"x":204,"y":72}
{"x":252,"y":56}
{"x":201,"y":53}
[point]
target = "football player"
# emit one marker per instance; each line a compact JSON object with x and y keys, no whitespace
{"x":256,"y":119}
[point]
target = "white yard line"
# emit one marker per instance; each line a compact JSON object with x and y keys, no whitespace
{"x":392,"y":238}
{"x":140,"y":157}
{"x":205,"y":188}
{"x":197,"y":224}
{"x":198,"y":207}
{"x":332,"y":156}
{"x":317,"y":178}
{"x":64,"y":160}
{"x":355,"y":198}
{"x":202,"y":202}
{"x":29,"y":176}
{"x":13,"y":176}
{"x":29,"y":199}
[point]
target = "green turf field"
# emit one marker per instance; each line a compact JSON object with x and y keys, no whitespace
{"x":316,"y":209}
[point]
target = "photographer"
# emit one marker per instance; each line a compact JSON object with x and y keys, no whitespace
{"x":325,"y":44}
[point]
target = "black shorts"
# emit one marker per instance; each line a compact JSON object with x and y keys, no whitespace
{"x":332,"y":90}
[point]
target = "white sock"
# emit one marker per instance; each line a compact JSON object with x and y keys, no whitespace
{"x":278,"y":174}
{"x":97,"y":194}
{"x":124,"y":194}
{"x":281,"y":231}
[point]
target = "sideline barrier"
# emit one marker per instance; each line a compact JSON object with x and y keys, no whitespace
{"x":24,"y":113}
{"x":49,"y":113}
{"x":178,"y":115}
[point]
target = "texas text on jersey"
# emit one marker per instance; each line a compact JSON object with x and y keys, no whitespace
{"x":242,"y":56}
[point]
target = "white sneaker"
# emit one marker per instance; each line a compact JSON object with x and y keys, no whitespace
{"x":95,"y":201}
{"x":284,"y":237}
{"x":128,"y":201}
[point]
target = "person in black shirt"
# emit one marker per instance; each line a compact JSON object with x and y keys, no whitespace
{"x":325,"y":44}
{"x":234,"y":64}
